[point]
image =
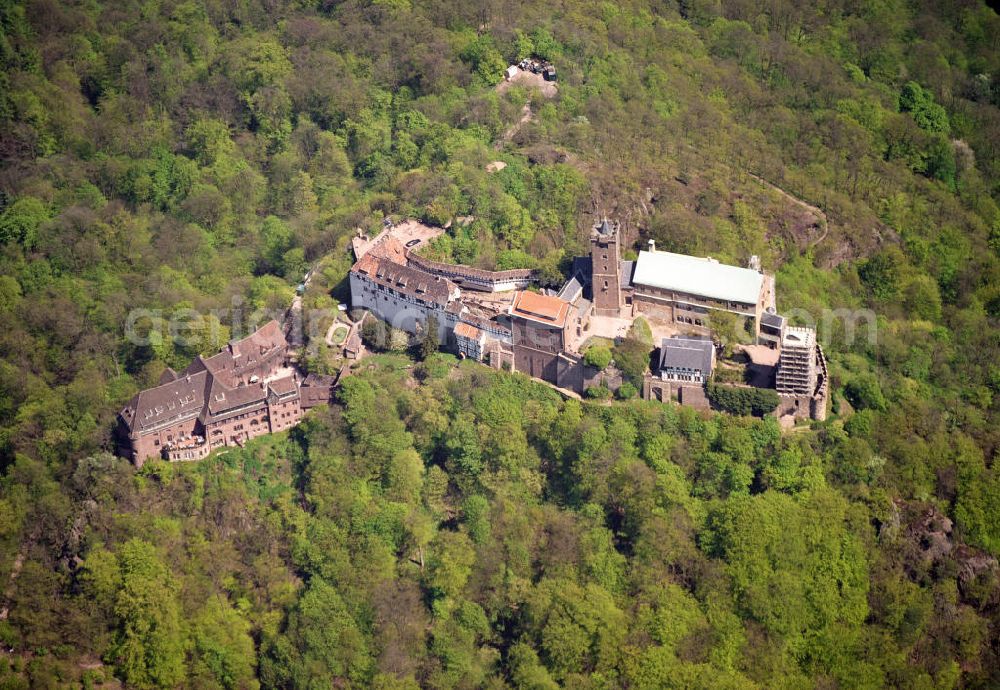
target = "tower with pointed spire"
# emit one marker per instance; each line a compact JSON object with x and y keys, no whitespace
{"x":605,"y":258}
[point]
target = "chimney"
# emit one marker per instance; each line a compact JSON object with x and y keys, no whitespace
{"x":652,"y":245}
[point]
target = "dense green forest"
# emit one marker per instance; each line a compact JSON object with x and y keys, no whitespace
{"x":443,"y":525}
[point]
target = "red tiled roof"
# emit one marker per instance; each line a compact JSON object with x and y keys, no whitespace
{"x":485,"y":324}
{"x":385,"y":246}
{"x":540,"y":308}
{"x":465,"y":330}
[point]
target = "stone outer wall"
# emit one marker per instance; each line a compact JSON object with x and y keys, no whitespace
{"x":683,"y":393}
{"x":569,"y":372}
{"x":692,"y":395}
{"x":678,"y":307}
{"x":236,"y":429}
{"x":611,"y":378}
{"x":538,"y":363}
{"x":151,"y":444}
{"x":284,"y":414}
{"x":500,"y":356}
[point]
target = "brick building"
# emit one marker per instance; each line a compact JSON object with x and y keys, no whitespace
{"x":226,"y":399}
{"x":538,"y":327}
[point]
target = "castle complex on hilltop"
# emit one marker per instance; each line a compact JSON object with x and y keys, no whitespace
{"x":539,"y":333}
{"x":249,"y":389}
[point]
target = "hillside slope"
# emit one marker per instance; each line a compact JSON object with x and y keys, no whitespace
{"x":446,"y":526}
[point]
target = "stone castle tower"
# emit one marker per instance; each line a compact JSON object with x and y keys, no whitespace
{"x":605,"y":257}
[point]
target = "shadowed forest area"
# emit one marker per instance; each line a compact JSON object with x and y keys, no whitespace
{"x":444,"y":525}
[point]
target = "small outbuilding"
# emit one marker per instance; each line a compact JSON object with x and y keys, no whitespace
{"x":772,"y":329}
{"x":686,"y":359}
{"x":352,"y":348}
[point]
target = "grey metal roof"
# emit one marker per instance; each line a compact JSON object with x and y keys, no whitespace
{"x":696,"y":276}
{"x":687,"y":353}
{"x":626,"y":269}
{"x":773,"y":320}
{"x":572,"y":290}
{"x":582,"y":269}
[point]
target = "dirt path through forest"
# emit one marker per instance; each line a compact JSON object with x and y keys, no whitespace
{"x":804,"y":204}
{"x":526,"y":115}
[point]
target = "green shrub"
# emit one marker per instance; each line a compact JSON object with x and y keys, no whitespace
{"x":632,"y":357}
{"x":598,"y":356}
{"x":860,"y":424}
{"x":598,"y":392}
{"x":726,"y":375}
{"x":743,"y":400}
{"x":641,"y":331}
{"x":627,"y":391}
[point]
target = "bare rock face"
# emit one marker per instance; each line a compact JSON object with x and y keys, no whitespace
{"x":930,"y":545}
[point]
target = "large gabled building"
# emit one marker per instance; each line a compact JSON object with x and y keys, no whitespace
{"x":385,"y":282}
{"x":688,"y":289}
{"x":242,"y":392}
{"x":538,"y":326}
{"x":675,"y":287}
